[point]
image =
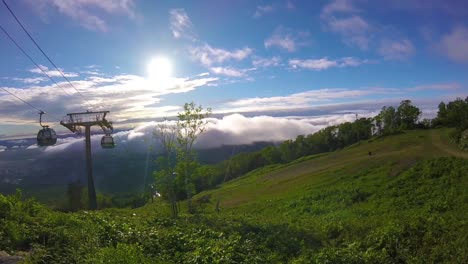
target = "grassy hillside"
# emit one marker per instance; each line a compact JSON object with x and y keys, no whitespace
{"x":349,"y":198}
{"x":405,"y":203}
{"x":390,"y":157}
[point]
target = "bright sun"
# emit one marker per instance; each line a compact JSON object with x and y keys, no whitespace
{"x":160,"y":70}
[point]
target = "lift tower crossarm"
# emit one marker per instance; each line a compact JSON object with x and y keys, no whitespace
{"x":74,"y":122}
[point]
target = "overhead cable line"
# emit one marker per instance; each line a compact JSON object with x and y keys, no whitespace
{"x":25,"y":102}
{"x":43,"y":53}
{"x":19,"y":98}
{"x":31,"y":59}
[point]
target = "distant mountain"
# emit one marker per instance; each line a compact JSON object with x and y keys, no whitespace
{"x":119,"y":170}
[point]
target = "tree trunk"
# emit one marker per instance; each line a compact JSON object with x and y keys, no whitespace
{"x":189,"y":193}
{"x":173,"y":202}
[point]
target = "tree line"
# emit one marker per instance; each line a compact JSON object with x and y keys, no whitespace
{"x":454,"y":114}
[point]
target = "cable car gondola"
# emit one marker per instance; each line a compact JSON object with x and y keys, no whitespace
{"x":46,"y":136}
{"x":107,"y":142}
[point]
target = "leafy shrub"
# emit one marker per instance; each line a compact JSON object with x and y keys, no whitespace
{"x":121,"y":254}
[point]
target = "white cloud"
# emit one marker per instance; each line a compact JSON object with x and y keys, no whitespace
{"x":396,"y":49}
{"x":311,"y":64}
{"x":85,"y":12}
{"x":266,"y":62}
{"x":32,"y":147}
{"x":228,"y":71}
{"x":30,"y":80}
{"x":290,"y":5}
{"x":454,"y":45}
{"x":353,"y":29}
{"x":208,"y":55}
{"x":94,"y":72}
{"x":232,"y":129}
{"x":353,"y":25}
{"x":351,"y":61}
{"x":284,"y":42}
{"x":341,"y":17}
{"x":18,"y":141}
{"x":339,"y":6}
{"x":134,"y":134}
{"x":241,"y":129}
{"x":325,"y":63}
{"x":261,"y":10}
{"x":437,"y":86}
{"x":203,"y":74}
{"x":181,"y":25}
{"x":128,"y":97}
{"x":299,"y":100}
{"x":53,"y":73}
{"x":237,"y":129}
{"x":321,"y":101}
{"x":286,"y":39}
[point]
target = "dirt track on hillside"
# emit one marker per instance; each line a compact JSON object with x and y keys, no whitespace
{"x":437,"y":142}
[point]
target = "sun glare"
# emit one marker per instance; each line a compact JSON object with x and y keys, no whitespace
{"x":160,"y":70}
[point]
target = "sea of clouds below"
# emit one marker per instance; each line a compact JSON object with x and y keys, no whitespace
{"x":233,"y":129}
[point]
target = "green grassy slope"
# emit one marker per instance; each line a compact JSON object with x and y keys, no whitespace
{"x":407,"y":203}
{"x":390,"y":156}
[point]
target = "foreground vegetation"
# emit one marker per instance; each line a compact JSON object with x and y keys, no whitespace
{"x":406,"y":203}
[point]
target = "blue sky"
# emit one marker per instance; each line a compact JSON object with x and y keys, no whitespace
{"x":315,"y":62}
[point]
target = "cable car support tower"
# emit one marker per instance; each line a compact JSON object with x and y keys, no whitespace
{"x":74,"y":122}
